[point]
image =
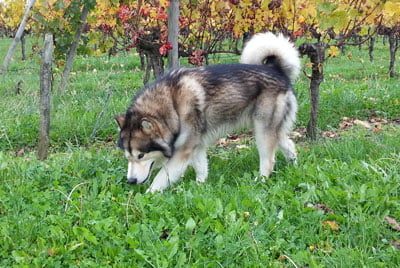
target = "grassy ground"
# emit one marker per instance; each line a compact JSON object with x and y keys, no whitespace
{"x":75,"y":208}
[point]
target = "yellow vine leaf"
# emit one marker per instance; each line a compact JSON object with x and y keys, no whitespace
{"x":333,"y":51}
{"x":390,"y":8}
{"x":164,"y":3}
{"x":309,"y":65}
{"x":332,"y":225}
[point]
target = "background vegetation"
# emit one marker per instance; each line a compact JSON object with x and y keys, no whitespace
{"x":339,"y":206}
{"x":76,"y":209}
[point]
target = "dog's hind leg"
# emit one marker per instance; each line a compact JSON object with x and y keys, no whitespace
{"x":200,"y":164}
{"x":288,"y":148}
{"x":267,"y":143}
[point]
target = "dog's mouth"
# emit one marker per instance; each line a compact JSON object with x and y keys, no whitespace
{"x":135,"y":181}
{"x":150,"y":172}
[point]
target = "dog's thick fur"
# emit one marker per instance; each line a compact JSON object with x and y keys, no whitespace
{"x":172,"y":121}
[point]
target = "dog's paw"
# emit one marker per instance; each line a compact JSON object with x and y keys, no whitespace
{"x":148,"y":191}
{"x":201,"y":180}
{"x":152,"y":190}
{"x":293,"y":161}
{"x":260,"y":178}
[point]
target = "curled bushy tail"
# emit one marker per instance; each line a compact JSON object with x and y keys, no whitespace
{"x":264,"y":45}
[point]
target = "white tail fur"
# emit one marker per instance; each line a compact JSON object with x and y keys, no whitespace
{"x":267,"y":44}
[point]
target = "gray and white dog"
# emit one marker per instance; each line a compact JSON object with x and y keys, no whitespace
{"x":172,"y":121}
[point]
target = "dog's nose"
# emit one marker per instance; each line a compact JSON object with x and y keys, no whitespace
{"x":132,"y":181}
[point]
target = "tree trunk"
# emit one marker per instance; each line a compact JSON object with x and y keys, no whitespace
{"x":316,"y":54}
{"x":45,"y":90}
{"x":393,"y":49}
{"x":72,"y":51}
{"x":23,"y":47}
{"x":157,"y":64}
{"x":173,"y":33}
{"x":17,"y":37}
{"x":142,"y":61}
{"x":342,"y":49}
{"x":371,"y":48}
{"x":147,"y":65}
{"x":18,"y":87}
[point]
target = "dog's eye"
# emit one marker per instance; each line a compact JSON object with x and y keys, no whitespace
{"x":140,"y":156}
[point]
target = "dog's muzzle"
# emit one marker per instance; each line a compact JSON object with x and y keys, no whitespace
{"x":132,"y":181}
{"x":139,"y":172}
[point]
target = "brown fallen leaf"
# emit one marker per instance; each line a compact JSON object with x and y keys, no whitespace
{"x":374,"y":123}
{"x":222,"y":142}
{"x":296,"y":135}
{"x":346,"y":123}
{"x":395,"y":244}
{"x":20,"y":152}
{"x":393,"y":223}
{"x":322,"y":207}
{"x":362,"y":123}
{"x":330,"y":134}
{"x":233,"y":138}
{"x":377,"y":127}
{"x":332,"y":225}
{"x":240,"y":137}
{"x":378,"y":120}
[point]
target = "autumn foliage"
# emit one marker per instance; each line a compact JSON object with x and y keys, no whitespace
{"x":204,"y":25}
{"x":212,"y":26}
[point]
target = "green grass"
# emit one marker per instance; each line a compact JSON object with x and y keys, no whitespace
{"x":75,"y":209}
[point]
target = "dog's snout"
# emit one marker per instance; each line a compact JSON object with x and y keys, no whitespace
{"x":132,"y":181}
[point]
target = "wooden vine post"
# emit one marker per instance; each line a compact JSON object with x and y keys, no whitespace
{"x":46,"y":79}
{"x":173,"y":33}
{"x":393,"y":46}
{"x":17,"y":37}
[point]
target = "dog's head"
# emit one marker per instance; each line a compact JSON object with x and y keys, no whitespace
{"x":144,"y":140}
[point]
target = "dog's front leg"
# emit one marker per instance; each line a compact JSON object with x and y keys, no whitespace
{"x":200,"y":164}
{"x":170,"y":172}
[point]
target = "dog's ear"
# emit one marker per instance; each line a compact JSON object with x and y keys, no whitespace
{"x":147,"y":126}
{"x":120,"y":120}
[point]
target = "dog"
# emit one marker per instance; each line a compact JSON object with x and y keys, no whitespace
{"x":172,"y":121}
